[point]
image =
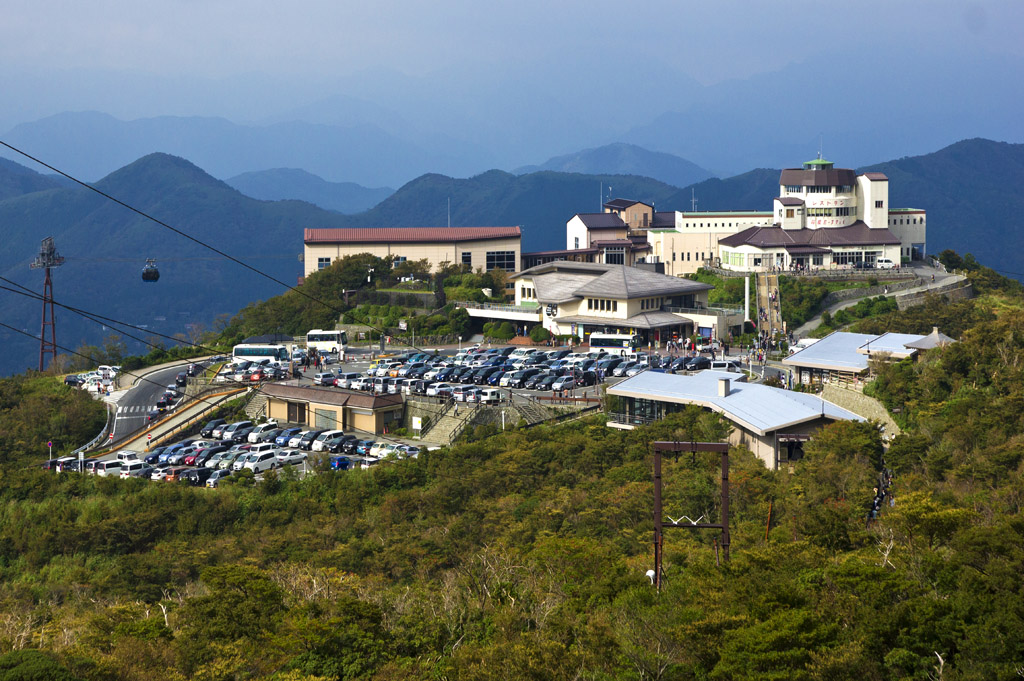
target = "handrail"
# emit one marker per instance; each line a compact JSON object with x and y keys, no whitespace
{"x":499,"y":307}
{"x":703,"y":310}
{"x":111,"y":413}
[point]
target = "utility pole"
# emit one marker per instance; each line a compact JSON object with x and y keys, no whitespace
{"x":660,"y":524}
{"x":47,"y":258}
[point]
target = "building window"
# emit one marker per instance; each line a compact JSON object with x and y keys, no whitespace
{"x":794,"y":188}
{"x":842,"y":212}
{"x":789,"y":212}
{"x":615,"y":306}
{"x":817,"y":259}
{"x":577,"y":242}
{"x":322,"y":263}
{"x":879,"y":204}
{"x":819,"y":190}
{"x":467,"y":258}
{"x":687,"y":256}
{"x":615,"y":256}
{"x":505,"y":260}
{"x":673,"y":256}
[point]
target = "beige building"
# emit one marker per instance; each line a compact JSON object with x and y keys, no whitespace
{"x":332,"y":408}
{"x":581,"y":298}
{"x":485,"y":248}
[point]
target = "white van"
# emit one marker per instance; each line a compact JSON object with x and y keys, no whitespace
{"x":107,"y":468}
{"x":490,"y":396}
{"x":345,"y":380}
{"x":258,"y":463}
{"x":320,"y":442}
{"x":265,"y":448}
{"x":230,"y":430}
{"x":884,"y":264}
{"x":254,"y":436}
{"x":130,"y":467}
{"x":126,"y":455}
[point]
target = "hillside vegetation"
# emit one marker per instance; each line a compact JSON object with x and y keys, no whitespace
{"x":522,"y":555}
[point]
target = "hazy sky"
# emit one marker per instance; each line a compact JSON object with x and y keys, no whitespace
{"x":559,"y":76}
{"x":710,"y":41}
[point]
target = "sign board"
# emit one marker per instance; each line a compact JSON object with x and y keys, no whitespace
{"x":417,"y":423}
{"x":403,"y":325}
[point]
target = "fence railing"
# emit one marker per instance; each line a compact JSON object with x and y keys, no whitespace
{"x":498,"y":307}
{"x":705,"y":310}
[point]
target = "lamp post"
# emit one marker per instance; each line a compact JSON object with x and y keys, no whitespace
{"x":460,"y":343}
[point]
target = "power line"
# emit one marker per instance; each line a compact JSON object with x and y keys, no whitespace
{"x":191,"y":238}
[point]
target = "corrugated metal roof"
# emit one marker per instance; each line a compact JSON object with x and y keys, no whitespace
{"x":621,"y":204}
{"x":759,"y":408}
{"x":334,"y":396}
{"x":893,"y":343}
{"x":876,"y":177}
{"x":835,"y":352}
{"x":362,"y":235}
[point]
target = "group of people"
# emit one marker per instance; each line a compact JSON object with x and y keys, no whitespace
{"x":883,"y":494}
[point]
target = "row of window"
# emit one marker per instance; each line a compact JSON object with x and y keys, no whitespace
{"x":650,"y":303}
{"x":505,"y":260}
{"x":697,"y":255}
{"x":910,"y":221}
{"x":527,"y":292}
{"x":800,"y":189}
{"x":602,"y":304}
{"x":824,"y":212}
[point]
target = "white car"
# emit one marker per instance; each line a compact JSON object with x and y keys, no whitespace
{"x":129,"y":467}
{"x":319,"y":444}
{"x":432,"y":390}
{"x":258,"y":463}
{"x":288,"y":458}
{"x":377,"y":449}
{"x":294,"y":442}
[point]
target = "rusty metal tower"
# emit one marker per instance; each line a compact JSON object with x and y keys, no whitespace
{"x":47,"y":259}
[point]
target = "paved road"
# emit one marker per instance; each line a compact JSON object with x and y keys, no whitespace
{"x":132,"y":405}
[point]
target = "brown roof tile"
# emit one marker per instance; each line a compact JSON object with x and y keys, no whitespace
{"x":363,"y":235}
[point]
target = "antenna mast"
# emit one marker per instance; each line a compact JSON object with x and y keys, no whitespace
{"x":47,"y":258}
{"x":693,"y":201}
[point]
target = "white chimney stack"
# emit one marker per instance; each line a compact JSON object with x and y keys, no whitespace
{"x":723,"y":387}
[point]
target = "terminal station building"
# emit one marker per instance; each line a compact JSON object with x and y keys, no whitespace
{"x":580,"y":298}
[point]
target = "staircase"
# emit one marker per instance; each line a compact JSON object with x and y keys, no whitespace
{"x":532,"y":412}
{"x":449,"y":425}
{"x":766,"y":284}
{"x":257,"y":406}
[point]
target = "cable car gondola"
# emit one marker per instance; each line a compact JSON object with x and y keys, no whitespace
{"x":150,"y":272}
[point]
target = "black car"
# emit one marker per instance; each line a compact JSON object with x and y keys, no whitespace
{"x":532,"y":381}
{"x":698,"y":364}
{"x":196,"y":476}
{"x":73,"y":380}
{"x":207,"y":430}
{"x":270,"y":435}
{"x":181,"y":379}
{"x":154,"y":455}
{"x":241,"y":435}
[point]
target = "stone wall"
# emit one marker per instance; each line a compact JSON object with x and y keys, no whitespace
{"x":861,"y":405}
{"x":869,"y":292}
{"x":956,"y":290}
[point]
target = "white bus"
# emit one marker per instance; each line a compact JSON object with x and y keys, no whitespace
{"x":327,"y":341}
{"x":257,"y":352}
{"x":615,"y":343}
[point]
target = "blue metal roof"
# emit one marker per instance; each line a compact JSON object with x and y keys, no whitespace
{"x":760,"y":408}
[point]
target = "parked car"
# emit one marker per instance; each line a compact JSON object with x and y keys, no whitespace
{"x":698,"y":363}
{"x":270,"y":435}
{"x":325,"y":378}
{"x":341,"y":463}
{"x":258,"y":463}
{"x":241,"y":435}
{"x":216,"y":477}
{"x":228,"y":432}
{"x":306,"y":441}
{"x":564,"y":383}
{"x":290,"y":457}
{"x":286,"y":435}
{"x":259,"y":430}
{"x":196,"y":476}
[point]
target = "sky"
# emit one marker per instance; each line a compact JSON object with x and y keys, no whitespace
{"x":254,"y":61}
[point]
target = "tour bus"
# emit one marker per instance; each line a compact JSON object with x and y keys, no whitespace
{"x":257,"y":352}
{"x":615,"y":343}
{"x":335,"y":342}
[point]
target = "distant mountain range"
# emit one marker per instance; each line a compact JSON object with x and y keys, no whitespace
{"x":292,"y":183}
{"x":625,"y":159}
{"x":966,"y":188}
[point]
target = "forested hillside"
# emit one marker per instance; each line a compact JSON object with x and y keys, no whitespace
{"x":523,"y":555}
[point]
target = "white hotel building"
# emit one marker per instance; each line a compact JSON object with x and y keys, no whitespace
{"x":823,"y":217}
